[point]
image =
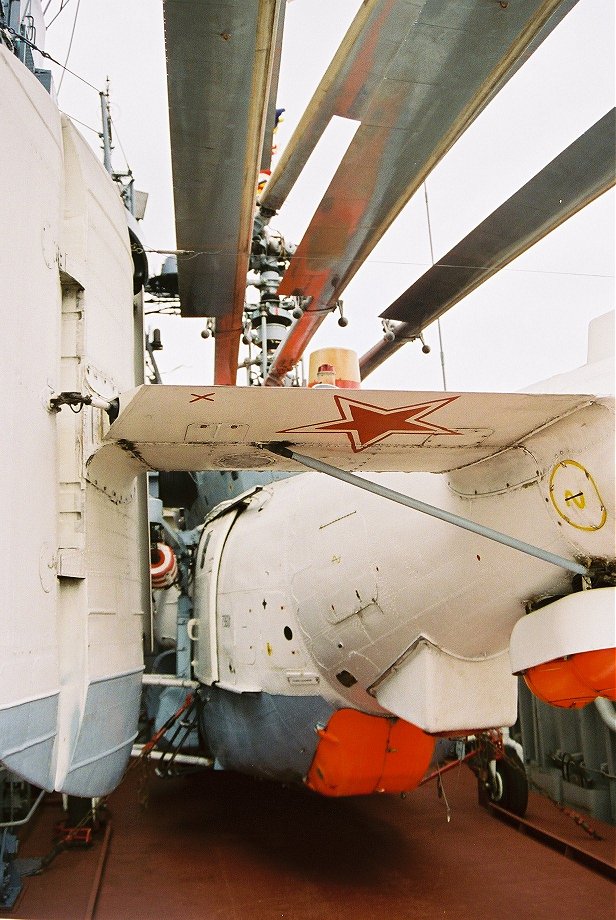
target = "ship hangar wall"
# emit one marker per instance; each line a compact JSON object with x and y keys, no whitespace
{"x":570,"y":754}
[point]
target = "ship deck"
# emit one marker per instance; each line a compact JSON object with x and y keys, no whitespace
{"x":218,"y":846}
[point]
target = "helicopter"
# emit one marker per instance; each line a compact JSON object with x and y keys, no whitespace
{"x":330,"y":636}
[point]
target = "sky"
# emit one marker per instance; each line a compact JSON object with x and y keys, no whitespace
{"x":525,"y":324}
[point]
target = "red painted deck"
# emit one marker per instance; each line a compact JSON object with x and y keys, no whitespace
{"x":218,"y":846}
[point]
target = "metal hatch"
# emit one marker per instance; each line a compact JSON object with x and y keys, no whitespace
{"x":209,"y":553}
{"x":211,"y":545}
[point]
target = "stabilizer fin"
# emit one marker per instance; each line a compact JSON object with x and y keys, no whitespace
{"x":200,"y":428}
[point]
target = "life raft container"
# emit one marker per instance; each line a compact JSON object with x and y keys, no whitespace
{"x":163,"y":567}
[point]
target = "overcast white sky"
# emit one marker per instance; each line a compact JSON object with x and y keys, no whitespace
{"x":525,"y":324}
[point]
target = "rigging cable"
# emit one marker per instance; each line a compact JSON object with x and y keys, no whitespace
{"x":63,"y":4}
{"x":49,"y":57}
{"x":70,"y":45}
{"x":121,"y":146}
{"x":82,"y":123}
{"x":438,"y":322}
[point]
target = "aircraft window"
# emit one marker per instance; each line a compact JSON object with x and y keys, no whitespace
{"x":346,"y":678}
{"x":288,"y":633}
{"x":204,"y":550}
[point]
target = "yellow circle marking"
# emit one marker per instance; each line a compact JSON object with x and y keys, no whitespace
{"x":581,"y":493}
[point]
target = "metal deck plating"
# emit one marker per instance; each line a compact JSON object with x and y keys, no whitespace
{"x":218,"y":845}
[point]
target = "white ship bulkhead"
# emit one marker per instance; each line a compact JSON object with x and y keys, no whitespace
{"x":74,"y":598}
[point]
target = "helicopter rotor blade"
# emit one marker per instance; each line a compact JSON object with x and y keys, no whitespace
{"x":448,"y":59}
{"x":371,"y":41}
{"x":578,"y":175}
{"x":219,"y":70}
{"x":351,"y":80}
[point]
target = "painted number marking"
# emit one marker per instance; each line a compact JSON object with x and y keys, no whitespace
{"x":575,"y":496}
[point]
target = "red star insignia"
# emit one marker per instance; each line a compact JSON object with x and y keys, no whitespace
{"x":366,"y":425}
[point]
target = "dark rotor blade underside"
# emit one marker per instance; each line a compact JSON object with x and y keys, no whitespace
{"x":573,"y":179}
{"x":219,"y":63}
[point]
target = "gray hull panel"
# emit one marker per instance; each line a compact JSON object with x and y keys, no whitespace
{"x":257,"y":733}
{"x":108,"y":729}
{"x":27,"y":735}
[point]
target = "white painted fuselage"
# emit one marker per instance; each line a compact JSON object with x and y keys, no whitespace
{"x":312,"y":586}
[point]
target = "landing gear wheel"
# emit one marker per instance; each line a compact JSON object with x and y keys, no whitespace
{"x":512,"y":776}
